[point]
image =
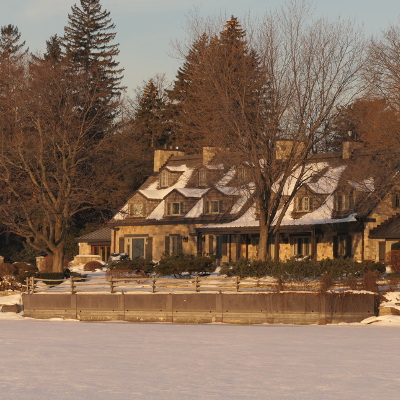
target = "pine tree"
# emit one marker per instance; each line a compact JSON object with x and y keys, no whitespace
{"x":53,"y":49}
{"x":221,"y":76}
{"x":12,"y":69}
{"x":150,"y":120}
{"x":88,"y":46}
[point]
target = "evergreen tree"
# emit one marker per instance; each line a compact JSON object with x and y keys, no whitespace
{"x":88,"y":46}
{"x":53,"y":49}
{"x":221,"y":76}
{"x":151,"y":124}
{"x":12,"y":69}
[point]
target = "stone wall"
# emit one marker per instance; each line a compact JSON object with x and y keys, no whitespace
{"x":240,"y":308}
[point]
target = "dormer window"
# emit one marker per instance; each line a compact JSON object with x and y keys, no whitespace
{"x":202,"y":178}
{"x":396,"y":200}
{"x":213,"y":207}
{"x":164,"y":179}
{"x":344,"y":202}
{"x":243,"y":174}
{"x":304,"y":204}
{"x":174,"y":208}
{"x":136,"y":210}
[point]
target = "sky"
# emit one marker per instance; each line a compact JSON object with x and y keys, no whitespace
{"x":146,"y":29}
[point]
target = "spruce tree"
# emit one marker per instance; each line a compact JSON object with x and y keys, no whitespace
{"x":12,"y":70}
{"x":151,"y":124}
{"x":88,"y":46}
{"x":221,"y":76}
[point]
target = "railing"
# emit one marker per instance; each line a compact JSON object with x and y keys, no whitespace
{"x":196,"y":284}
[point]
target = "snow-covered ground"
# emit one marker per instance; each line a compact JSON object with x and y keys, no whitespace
{"x":79,"y":360}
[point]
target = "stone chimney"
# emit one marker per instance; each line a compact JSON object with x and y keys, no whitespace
{"x":349,"y":147}
{"x":162,"y":156}
{"x":209,"y":153}
{"x":284,"y":148}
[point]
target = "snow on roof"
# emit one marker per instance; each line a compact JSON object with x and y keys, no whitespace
{"x":239,"y":203}
{"x":176,"y":168}
{"x":122,"y":213}
{"x":310,"y":170}
{"x":367,"y":185}
{"x":216,"y":166}
{"x":228,"y":190}
{"x":322,"y":215}
{"x":328,"y":182}
{"x":158,"y":212}
{"x":192,"y":192}
{"x":159,"y":194}
{"x":195,"y":211}
{"x":227,"y":177}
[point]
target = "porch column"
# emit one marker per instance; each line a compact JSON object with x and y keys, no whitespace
{"x":276,"y":246}
{"x":313,"y":245}
{"x":199,"y":244}
{"x":238,"y":245}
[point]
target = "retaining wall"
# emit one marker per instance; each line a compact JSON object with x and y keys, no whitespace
{"x":240,"y":308}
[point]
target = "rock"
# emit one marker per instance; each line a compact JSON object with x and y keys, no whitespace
{"x":15,"y":308}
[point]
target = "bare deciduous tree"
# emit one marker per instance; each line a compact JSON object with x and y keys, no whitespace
{"x":268,"y":100}
{"x":51,"y":167}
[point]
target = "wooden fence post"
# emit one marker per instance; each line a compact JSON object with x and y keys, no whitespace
{"x":112,"y":285}
{"x":72,"y":285}
{"x":27,"y":285}
{"x":197,"y":283}
{"x":153,"y":286}
{"x":32,"y":284}
{"x":237,"y":283}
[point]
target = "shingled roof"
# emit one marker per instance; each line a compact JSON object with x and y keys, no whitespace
{"x":102,"y":236}
{"x":390,"y":229}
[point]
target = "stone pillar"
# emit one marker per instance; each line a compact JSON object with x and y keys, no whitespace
{"x":40,"y":263}
{"x":1,"y":259}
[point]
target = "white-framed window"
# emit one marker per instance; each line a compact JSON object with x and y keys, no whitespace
{"x":213,"y":207}
{"x":243,"y":174}
{"x":304,"y":203}
{"x":202,"y":178}
{"x":302,"y":246}
{"x":164,"y":179}
{"x":174,"y":208}
{"x":396,"y":200}
{"x":137,"y":210}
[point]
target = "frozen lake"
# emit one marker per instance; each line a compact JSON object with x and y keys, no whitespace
{"x":77,"y":360}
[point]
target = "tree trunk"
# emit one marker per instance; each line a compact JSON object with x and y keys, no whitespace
{"x":263,"y":243}
{"x":58,"y":259}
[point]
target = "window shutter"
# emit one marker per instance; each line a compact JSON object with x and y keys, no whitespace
{"x":335,"y":247}
{"x":348,"y":246}
{"x":121,"y":245}
{"x":169,"y":208}
{"x":221,"y":206}
{"x":149,"y":249}
{"x":179,"y":244}
{"x":206,"y":207}
{"x":310,"y":204}
{"x":167,"y":245}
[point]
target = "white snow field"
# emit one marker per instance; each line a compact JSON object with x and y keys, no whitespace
{"x":79,"y":360}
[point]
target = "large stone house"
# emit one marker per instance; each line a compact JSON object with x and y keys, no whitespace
{"x":194,"y":204}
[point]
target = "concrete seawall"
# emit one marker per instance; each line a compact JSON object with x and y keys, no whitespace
{"x":240,"y":308}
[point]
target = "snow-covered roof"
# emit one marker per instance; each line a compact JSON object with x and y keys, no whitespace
{"x":158,"y":212}
{"x":159,"y":194}
{"x":196,"y":211}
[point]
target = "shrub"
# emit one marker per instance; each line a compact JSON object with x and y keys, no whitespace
{"x":393,"y":258}
{"x":176,"y":264}
{"x":137,"y":264}
{"x":25,"y":270}
{"x":7,"y":269}
{"x":395,"y":246}
{"x":302,"y":269}
{"x":92,"y":266}
{"x":55,"y":278}
{"x":369,"y":281}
